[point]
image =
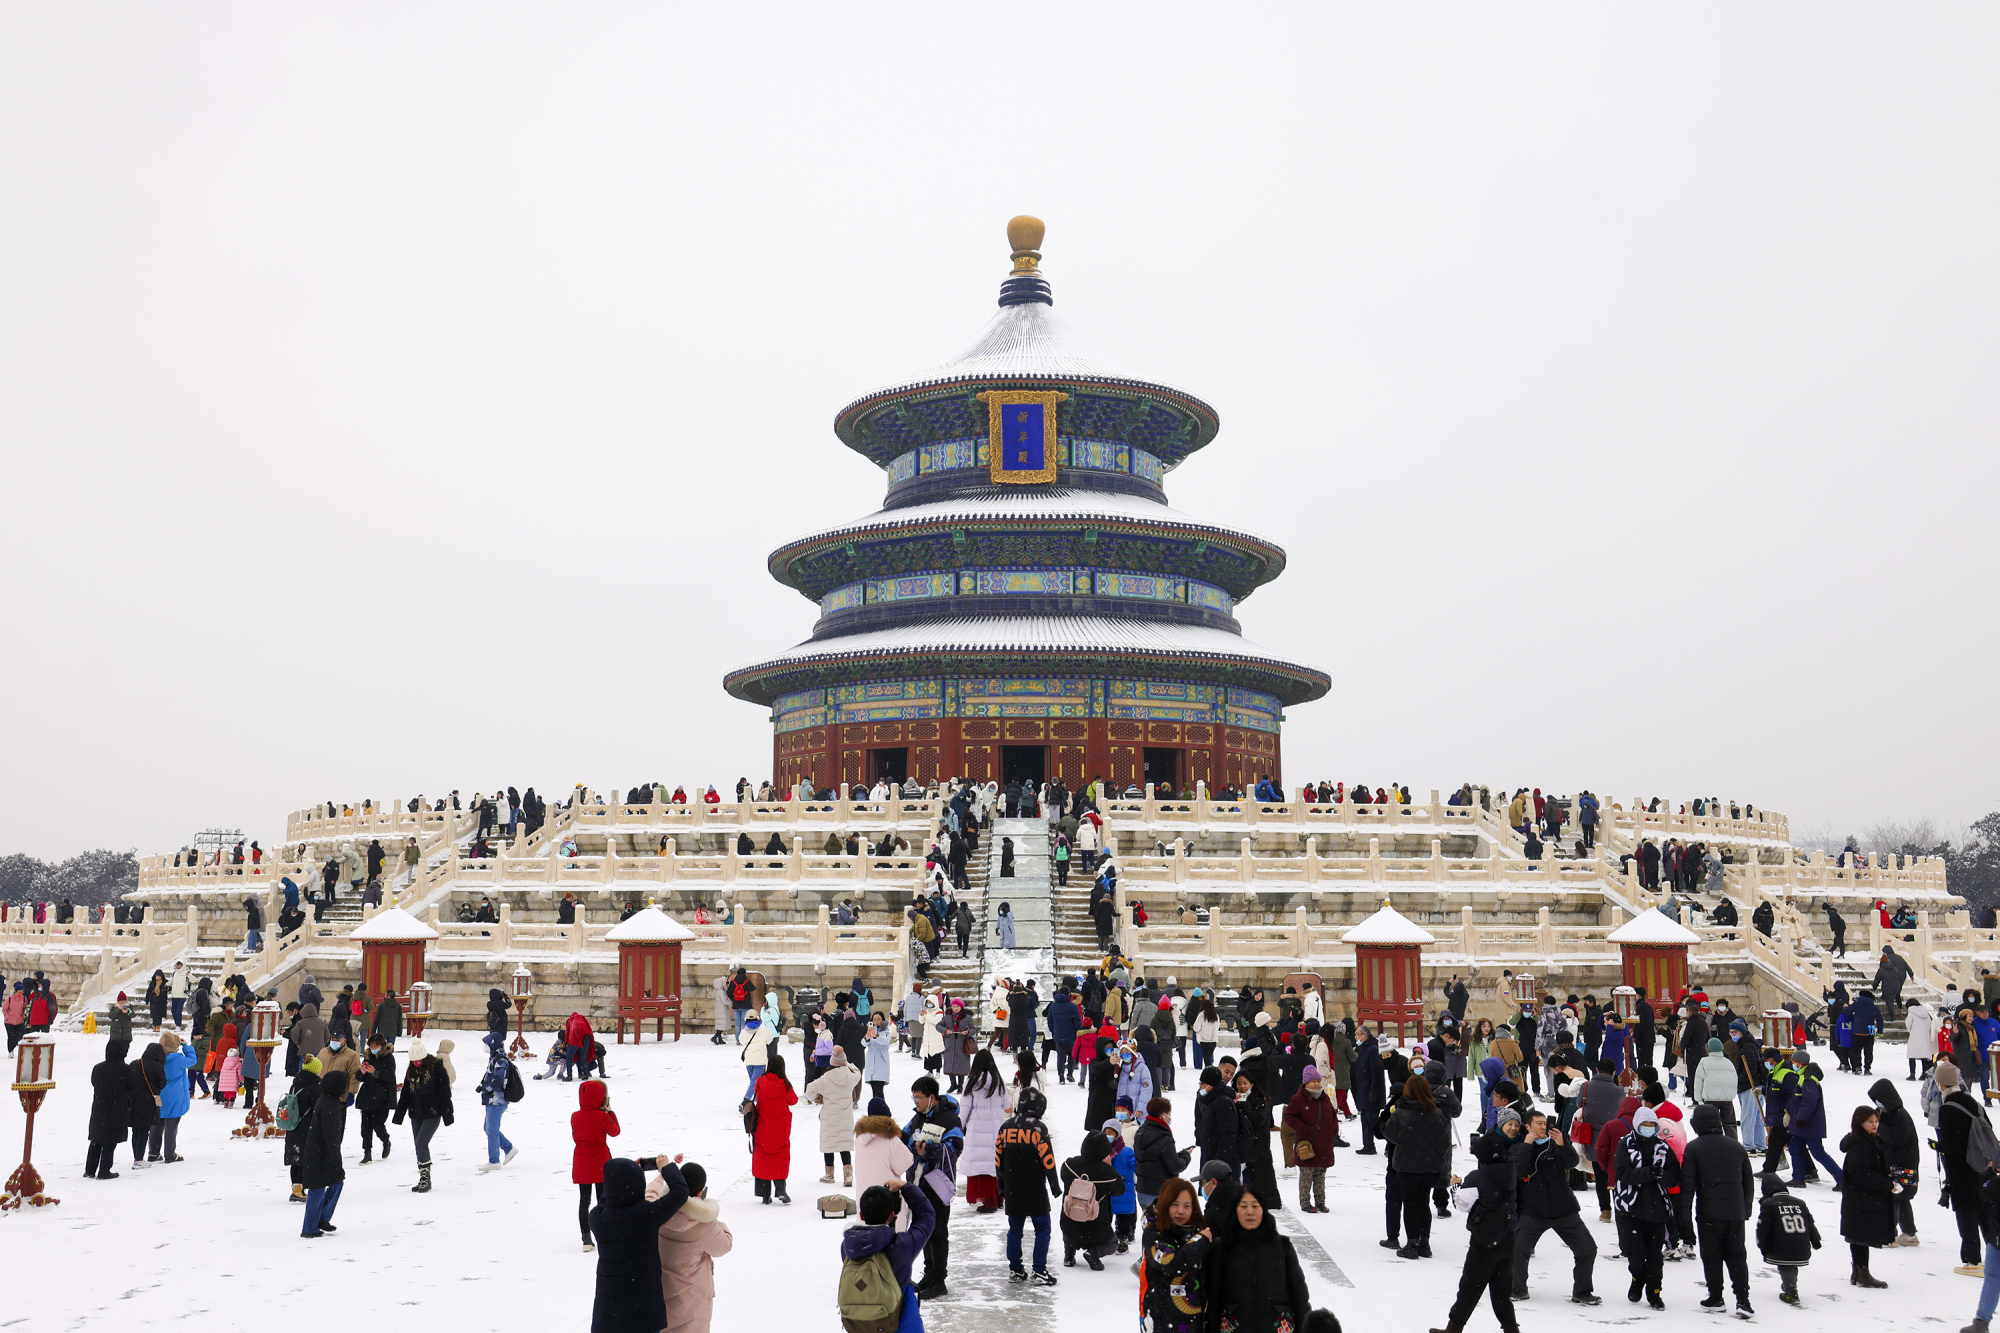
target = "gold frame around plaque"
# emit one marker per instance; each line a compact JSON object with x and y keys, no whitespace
{"x":995,"y":399}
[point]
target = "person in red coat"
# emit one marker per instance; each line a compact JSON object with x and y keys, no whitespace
{"x":771,"y":1145}
{"x":589,"y":1126}
{"x":582,"y":1042}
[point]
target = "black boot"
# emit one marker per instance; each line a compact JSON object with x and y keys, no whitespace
{"x":423,"y":1185}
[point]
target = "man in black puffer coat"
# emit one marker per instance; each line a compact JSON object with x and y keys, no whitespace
{"x":1899,"y":1136}
{"x":1716,"y":1174}
{"x":1543,"y":1161}
{"x":1489,"y":1253}
{"x":626,"y":1227}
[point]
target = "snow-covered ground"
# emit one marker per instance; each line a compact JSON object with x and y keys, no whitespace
{"x":215,"y":1239}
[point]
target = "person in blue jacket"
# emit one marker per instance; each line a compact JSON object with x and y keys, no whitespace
{"x":1806,"y":1121}
{"x":877,"y":1233}
{"x":174,"y":1099}
{"x":1065,"y":1021}
{"x":1124,"y":1205}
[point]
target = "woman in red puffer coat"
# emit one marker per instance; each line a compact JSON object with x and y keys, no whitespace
{"x":590,"y":1125}
{"x":771,"y":1146}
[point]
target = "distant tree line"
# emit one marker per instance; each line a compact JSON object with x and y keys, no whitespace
{"x":90,"y":879}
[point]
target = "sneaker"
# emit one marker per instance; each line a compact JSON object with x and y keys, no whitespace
{"x":588,"y":1247}
{"x":1906,"y":1240}
{"x":176,"y":1158}
{"x":1390,"y":1244}
{"x":1586,"y":1298}
{"x":1017,"y":1275}
{"x":1043,"y":1278}
{"x":328,"y":1226}
{"x":1970,"y":1270}
{"x":1790,"y":1298}
{"x":105,"y":1175}
{"x":1519,"y":1296}
{"x":510,"y":1155}
{"x":1743,"y":1310}
{"x":1715,"y":1305}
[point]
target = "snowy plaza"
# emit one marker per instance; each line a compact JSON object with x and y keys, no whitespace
{"x":214,"y":1237}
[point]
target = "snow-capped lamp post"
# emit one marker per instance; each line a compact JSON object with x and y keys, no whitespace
{"x":1625,"y":1003}
{"x":264,"y":1037}
{"x":1992,"y":1071}
{"x":34,"y":1076}
{"x":524,"y":991}
{"x":420,"y":1007}
{"x":1777,"y":1030}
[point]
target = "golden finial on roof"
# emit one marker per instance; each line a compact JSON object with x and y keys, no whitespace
{"x":1025,"y":235}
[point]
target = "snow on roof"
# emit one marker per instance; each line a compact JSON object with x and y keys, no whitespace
{"x":1026,"y":339}
{"x":1388,"y":926}
{"x":981,"y":633}
{"x":1653,"y":927}
{"x":394,"y":924}
{"x":650,"y":926}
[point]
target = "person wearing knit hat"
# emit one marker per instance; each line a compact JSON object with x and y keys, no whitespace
{"x":1714,"y":1084}
{"x":424,"y":1096}
{"x":1313,"y":1131}
{"x":1647,"y":1176}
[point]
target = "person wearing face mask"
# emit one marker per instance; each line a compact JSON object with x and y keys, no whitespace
{"x":1647,"y":1178}
{"x":1489,"y":1253}
{"x":1124,"y":1204}
{"x":340,"y":1058}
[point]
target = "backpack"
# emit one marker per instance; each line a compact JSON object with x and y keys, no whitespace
{"x":288,"y":1113}
{"x":514,"y":1091}
{"x":1982,"y":1148}
{"x":869,"y":1297}
{"x":1080,"y":1206}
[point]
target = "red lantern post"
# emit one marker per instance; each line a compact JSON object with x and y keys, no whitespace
{"x":1777,"y":1030}
{"x":1389,"y":971}
{"x":649,"y":972}
{"x":257,"y":1122}
{"x":34,"y":1076}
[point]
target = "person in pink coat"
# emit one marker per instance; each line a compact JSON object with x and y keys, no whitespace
{"x":690,"y":1243}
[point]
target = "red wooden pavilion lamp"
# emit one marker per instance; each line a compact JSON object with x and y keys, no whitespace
{"x":1655,"y":951}
{"x":419,"y":1009}
{"x":34,"y":1076}
{"x":649,"y":972}
{"x":392,"y":953}
{"x":1777,"y":1030}
{"x":1389,"y":971}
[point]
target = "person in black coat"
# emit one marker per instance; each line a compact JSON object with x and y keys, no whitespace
{"x":1544,"y":1201}
{"x":1868,"y":1191}
{"x":320,"y":1170}
{"x":1786,"y":1235}
{"x":1489,"y":1253}
{"x":376,"y":1094}
{"x":626,"y":1227}
{"x":1899,"y":1136}
{"x":305,"y":1088}
{"x":1155,"y":1160}
{"x":1253,"y":1280}
{"x":1717,"y":1177}
{"x":497,"y":1006}
{"x":145,"y":1078}
{"x":1253,"y":1142}
{"x":1103,"y":1100}
{"x":1215,"y":1120}
{"x":1094,"y":1237}
{"x":110,"y":1110}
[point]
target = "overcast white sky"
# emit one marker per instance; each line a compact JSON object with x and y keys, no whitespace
{"x":405,"y":397}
